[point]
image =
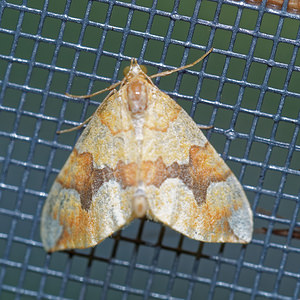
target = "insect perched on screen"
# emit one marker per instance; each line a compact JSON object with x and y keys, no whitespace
{"x":142,"y":155}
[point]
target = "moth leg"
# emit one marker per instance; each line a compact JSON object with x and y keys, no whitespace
{"x":279,"y":232}
{"x":88,"y":119}
{"x":203,"y":127}
{"x":75,"y":127}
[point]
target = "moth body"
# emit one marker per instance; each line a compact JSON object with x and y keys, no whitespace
{"x":142,"y":155}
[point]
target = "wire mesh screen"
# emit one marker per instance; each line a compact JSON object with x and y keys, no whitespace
{"x":248,"y":89}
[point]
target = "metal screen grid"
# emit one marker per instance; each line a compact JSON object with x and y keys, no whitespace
{"x":107,"y":258}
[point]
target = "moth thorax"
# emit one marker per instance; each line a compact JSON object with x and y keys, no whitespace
{"x":137,"y":96}
{"x":140,"y":203}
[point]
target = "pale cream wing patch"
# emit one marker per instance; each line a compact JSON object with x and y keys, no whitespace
{"x":194,"y":191}
{"x":89,"y":199}
{"x":66,"y":225}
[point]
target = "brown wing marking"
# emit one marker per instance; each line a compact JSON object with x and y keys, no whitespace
{"x":204,"y":168}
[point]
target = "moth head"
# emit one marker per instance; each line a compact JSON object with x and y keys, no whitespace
{"x":134,"y":69}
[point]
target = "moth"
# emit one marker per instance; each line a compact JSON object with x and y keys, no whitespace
{"x":142,"y":155}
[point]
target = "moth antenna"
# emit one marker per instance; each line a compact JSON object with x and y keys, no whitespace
{"x":166,"y":73}
{"x":96,"y":93}
{"x":86,"y":121}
